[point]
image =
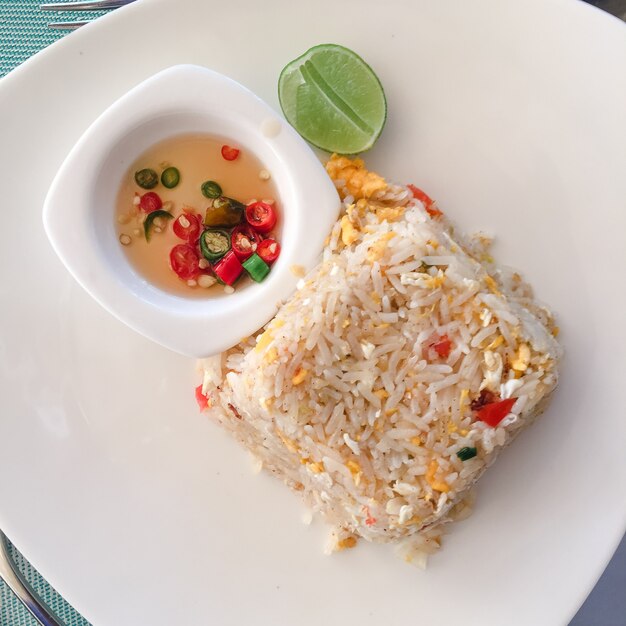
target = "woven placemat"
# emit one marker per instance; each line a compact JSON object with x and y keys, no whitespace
{"x":12,"y":611}
{"x":24,"y":29}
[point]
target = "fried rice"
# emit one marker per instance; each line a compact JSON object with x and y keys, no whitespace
{"x":394,"y":376}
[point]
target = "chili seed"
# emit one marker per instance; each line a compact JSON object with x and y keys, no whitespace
{"x":192,"y":283}
{"x":137,"y":232}
{"x":229,"y":289}
{"x":203,"y":264}
{"x":264,"y":175}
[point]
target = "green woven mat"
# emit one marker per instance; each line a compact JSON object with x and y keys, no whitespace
{"x":13,"y":613}
{"x":24,"y":29}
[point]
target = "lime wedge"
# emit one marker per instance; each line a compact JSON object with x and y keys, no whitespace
{"x":333,"y":99}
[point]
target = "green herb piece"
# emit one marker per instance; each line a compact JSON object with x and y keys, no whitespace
{"x":214,"y":244}
{"x":211,"y":189}
{"x":466,"y":453}
{"x":256,"y":267}
{"x":149,"y":221}
{"x":170,"y":177}
{"x":147,"y":178}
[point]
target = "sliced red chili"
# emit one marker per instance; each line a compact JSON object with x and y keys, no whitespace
{"x":268,"y":250}
{"x":244,"y":241}
{"x":188,"y":227}
{"x":442,"y":346}
{"x":426,"y":200}
{"x":261,"y":216}
{"x":150,"y":202}
{"x":493,"y":413}
{"x":185,"y":261}
{"x":230,"y":153}
{"x":228,"y":269}
{"x":201,"y":399}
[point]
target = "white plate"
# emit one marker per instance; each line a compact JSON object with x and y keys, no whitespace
{"x":140,"y":511}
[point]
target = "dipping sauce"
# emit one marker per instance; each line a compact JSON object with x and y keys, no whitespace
{"x":196,"y":216}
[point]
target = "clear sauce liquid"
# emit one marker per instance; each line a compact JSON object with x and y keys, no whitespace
{"x":198,"y":159}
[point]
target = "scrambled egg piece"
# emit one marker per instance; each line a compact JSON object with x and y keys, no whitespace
{"x":438,"y":485}
{"x":391,"y":214}
{"x":299,"y":376}
{"x":349,"y":234}
{"x":377,"y":249}
{"x":492,"y":285}
{"x":359,"y":181}
{"x":521,"y":361}
{"x":347,"y":543}
{"x":355,"y":470}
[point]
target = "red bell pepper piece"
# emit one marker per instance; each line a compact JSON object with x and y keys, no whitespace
{"x":201,"y":399}
{"x":228,"y":269}
{"x":494,"y":412}
{"x":426,"y":200}
{"x":442,"y":346}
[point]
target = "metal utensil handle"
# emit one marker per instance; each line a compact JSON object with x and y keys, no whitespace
{"x":87,"y":5}
{"x":17,"y":585}
{"x":67,"y":25}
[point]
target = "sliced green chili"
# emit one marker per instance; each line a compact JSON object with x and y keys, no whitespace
{"x":211,"y":189}
{"x":170,"y":177}
{"x":214,"y":244}
{"x":147,"y":178}
{"x":149,"y":221}
{"x":224,"y":212}
{"x":466,"y":453}
{"x":256,"y":267}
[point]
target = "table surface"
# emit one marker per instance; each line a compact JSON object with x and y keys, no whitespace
{"x":19,"y":39}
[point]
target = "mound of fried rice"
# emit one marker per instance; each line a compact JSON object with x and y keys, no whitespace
{"x":364,"y":392}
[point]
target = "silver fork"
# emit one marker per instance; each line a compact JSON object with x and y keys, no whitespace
{"x":87,"y":5}
{"x":18,"y":585}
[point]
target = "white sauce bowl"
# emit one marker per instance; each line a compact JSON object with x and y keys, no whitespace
{"x":80,"y":210}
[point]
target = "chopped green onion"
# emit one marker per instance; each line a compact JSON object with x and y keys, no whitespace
{"x":149,"y":221}
{"x":224,"y":212}
{"x":147,"y":178}
{"x":466,"y":453}
{"x":256,"y":267}
{"x":170,"y":177}
{"x":210,"y":189}
{"x":214,"y":244}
